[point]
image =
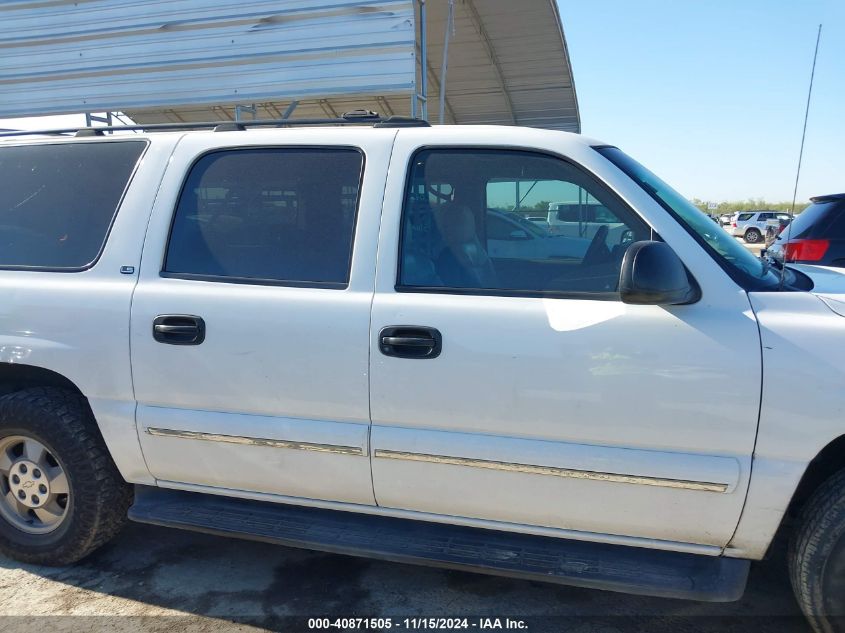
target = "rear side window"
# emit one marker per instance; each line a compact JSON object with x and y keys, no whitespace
{"x":57,"y":201}
{"x":268,"y":215}
{"x":742,"y":217}
{"x":824,"y":219}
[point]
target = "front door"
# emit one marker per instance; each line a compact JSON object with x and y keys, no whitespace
{"x":250,"y":320}
{"x":545,"y":400}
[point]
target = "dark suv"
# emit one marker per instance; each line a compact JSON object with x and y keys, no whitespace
{"x":817,"y":235}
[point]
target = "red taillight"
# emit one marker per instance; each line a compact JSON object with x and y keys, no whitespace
{"x":805,"y":250}
{"x":733,"y":224}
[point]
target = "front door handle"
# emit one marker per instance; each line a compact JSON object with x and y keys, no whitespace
{"x":179,"y":329}
{"x":410,"y":341}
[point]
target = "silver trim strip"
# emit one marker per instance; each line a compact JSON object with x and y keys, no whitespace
{"x":553,"y":471}
{"x":257,"y":441}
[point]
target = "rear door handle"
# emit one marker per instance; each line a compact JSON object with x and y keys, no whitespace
{"x":410,"y":341}
{"x":179,"y":329}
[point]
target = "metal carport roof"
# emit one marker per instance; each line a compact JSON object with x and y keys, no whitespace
{"x":189,"y":60}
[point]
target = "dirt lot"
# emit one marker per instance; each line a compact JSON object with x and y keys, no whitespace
{"x":154,"y":579}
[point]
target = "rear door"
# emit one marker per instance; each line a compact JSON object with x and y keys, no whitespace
{"x":251,"y":317}
{"x":519,"y":389}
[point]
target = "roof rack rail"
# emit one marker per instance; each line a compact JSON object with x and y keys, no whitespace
{"x":355,"y":117}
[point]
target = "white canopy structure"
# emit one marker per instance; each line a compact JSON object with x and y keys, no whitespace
{"x":171,"y":61}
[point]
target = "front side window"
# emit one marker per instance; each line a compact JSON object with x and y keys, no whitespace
{"x":58,"y":200}
{"x":465,"y":225}
{"x":268,"y":215}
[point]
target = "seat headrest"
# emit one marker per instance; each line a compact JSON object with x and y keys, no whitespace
{"x":456,"y":223}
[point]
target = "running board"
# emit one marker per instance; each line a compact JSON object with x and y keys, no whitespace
{"x":579,"y":563}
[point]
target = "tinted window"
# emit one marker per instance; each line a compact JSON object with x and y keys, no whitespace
{"x":820,"y":220}
{"x":740,"y":263}
{"x":499,"y":228}
{"x":58,"y":201}
{"x":473,"y":237}
{"x":742,"y":217}
{"x":280,"y":215}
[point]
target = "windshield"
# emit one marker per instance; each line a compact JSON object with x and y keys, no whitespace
{"x":732,"y":256}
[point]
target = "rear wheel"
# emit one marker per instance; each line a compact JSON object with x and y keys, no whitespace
{"x":752,"y":236}
{"x":817,"y":557}
{"x":61,"y":495}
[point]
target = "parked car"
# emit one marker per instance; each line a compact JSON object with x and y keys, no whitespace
{"x":510,"y":235}
{"x":539,"y":220}
{"x":817,"y":234}
{"x":751,"y":225}
{"x":725,"y":219}
{"x":257,"y":333}
{"x":583,"y":219}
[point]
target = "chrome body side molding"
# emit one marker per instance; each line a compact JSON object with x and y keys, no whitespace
{"x":256,"y":441}
{"x":553,"y":471}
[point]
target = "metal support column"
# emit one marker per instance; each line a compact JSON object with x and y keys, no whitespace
{"x":91,"y":118}
{"x":289,"y":110}
{"x":240,"y":109}
{"x":419,"y":98}
{"x":444,"y":67}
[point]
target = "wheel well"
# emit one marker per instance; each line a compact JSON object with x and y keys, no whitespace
{"x":14,"y":377}
{"x":828,"y":462}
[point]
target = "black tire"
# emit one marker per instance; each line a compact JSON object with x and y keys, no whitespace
{"x":752,"y":236}
{"x":817,"y":557}
{"x":98,"y":496}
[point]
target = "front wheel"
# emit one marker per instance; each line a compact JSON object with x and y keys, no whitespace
{"x":61,"y":496}
{"x":817,"y":557}
{"x":752,"y":236}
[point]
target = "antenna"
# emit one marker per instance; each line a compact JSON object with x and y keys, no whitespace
{"x":800,"y":157}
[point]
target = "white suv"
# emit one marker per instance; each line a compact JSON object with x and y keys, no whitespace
{"x":311,"y":336}
{"x":751,"y":225}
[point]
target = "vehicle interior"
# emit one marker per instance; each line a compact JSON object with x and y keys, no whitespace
{"x":268,"y":214}
{"x":446,"y":242}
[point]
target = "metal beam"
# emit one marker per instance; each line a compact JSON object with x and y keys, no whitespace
{"x":444,"y":66}
{"x":424,"y":59}
{"x":289,"y":110}
{"x":494,"y":59}
{"x":384,"y":106}
{"x":432,"y":77}
{"x":327,"y":108}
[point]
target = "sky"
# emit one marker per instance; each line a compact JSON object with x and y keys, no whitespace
{"x":711,"y":95}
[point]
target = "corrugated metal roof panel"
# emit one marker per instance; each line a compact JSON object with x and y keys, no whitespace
{"x":124,"y":54}
{"x":180,"y":60}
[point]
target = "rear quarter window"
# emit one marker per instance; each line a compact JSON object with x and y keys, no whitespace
{"x":742,"y":217}
{"x":820,"y":220}
{"x":58,"y":201}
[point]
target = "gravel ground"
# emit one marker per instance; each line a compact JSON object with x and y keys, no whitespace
{"x":160,"y":580}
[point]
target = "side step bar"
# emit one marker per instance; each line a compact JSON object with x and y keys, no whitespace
{"x":567,"y":562}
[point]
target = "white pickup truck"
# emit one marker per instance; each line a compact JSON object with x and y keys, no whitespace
{"x":299,"y":335}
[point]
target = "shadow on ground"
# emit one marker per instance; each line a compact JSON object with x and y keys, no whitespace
{"x":154,"y":577}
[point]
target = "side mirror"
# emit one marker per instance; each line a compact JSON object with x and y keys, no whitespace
{"x":652,"y":274}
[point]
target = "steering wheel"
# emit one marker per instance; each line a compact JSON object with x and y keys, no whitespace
{"x":597,"y":251}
